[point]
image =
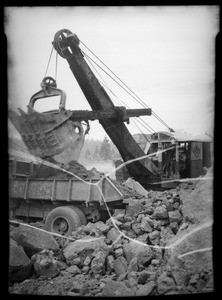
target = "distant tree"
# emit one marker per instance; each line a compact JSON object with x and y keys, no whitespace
{"x":105,"y":149}
{"x":96,"y":153}
{"x":87,"y":154}
{"x":90,"y":144}
{"x":113,"y":153}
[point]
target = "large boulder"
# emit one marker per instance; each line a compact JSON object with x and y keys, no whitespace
{"x":191,"y":254}
{"x":45,"y":264}
{"x":191,"y":248}
{"x":120,"y":265}
{"x":133,"y":267}
{"x":146,"y":289}
{"x":136,"y":186}
{"x":83,"y":248}
{"x":20,"y":266}
{"x":175,"y":216}
{"x":154,"y":237}
{"x":147,"y":224}
{"x":116,"y":289}
{"x":73,"y":270}
{"x":166,"y":284}
{"x":102,"y":227}
{"x":160,"y":213}
{"x":136,"y":227}
{"x":198,"y":204}
{"x":135,"y":206}
{"x":98,"y":262}
{"x":146,"y":276}
{"x":113,"y":234}
{"x":34,"y":240}
{"x":142,"y":252}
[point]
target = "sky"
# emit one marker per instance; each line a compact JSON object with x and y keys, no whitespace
{"x":166,"y":55}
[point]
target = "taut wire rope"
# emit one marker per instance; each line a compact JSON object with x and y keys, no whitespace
{"x":138,"y":99}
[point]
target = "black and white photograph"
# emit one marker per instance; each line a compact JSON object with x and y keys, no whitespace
{"x":111,"y":121}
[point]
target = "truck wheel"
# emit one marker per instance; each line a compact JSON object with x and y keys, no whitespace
{"x":81,"y":215}
{"x":63,"y":220}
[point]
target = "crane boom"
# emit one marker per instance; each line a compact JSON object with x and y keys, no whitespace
{"x":67,"y":45}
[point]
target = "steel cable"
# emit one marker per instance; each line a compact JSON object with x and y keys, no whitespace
{"x":138,"y":99}
{"x":49,"y":61}
{"x":121,"y":102}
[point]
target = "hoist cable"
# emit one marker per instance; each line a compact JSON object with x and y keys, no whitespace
{"x":146,"y":124}
{"x":163,"y":122}
{"x":116,"y":95}
{"x":138,"y":98}
{"x":49,"y":61}
{"x":56,"y":67}
{"x":121,"y":102}
{"x":142,"y":102}
{"x":144,"y":105}
{"x":106,"y":73}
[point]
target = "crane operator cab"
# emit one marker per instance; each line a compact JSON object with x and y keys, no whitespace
{"x":180,"y":155}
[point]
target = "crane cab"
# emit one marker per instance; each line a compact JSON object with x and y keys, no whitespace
{"x":179,"y":155}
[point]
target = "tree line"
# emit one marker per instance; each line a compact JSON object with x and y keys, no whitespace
{"x":99,"y":150}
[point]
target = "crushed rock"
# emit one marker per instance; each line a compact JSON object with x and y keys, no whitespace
{"x":125,"y":267}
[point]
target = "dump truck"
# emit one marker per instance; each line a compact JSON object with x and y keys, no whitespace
{"x":63,"y":202}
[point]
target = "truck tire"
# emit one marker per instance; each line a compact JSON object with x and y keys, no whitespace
{"x":64,"y":219}
{"x":81,"y":215}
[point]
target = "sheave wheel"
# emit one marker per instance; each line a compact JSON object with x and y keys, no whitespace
{"x":63,"y":220}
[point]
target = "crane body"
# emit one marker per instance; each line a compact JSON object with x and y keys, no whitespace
{"x":67,"y":45}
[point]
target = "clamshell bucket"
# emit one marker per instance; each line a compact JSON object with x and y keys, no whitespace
{"x":50,"y":134}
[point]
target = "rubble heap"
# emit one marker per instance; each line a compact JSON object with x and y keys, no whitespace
{"x":135,"y":253}
{"x":73,"y":168}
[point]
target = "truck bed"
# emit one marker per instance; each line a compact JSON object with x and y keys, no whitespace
{"x":64,"y":189}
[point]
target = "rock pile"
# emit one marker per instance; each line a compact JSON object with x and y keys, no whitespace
{"x":73,"y":168}
{"x":129,"y":255}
